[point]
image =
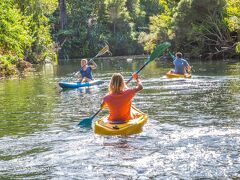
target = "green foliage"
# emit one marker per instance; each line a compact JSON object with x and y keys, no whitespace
{"x":28,"y":27}
{"x":238,"y":47}
{"x":151,"y":8}
{"x":160,"y":26}
{"x":196,"y":27}
{"x":232,"y":18}
{"x":25,"y":30}
{"x":14,"y":31}
{"x":6,"y":67}
{"x":193,"y":12}
{"x":117,"y":22}
{"x":36,"y":11}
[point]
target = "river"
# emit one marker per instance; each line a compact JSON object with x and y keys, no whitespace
{"x":193,"y":130}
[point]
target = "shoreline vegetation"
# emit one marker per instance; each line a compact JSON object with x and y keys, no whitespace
{"x":18,"y":69}
{"x":38,"y":31}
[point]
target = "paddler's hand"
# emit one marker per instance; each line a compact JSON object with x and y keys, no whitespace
{"x":135,"y":76}
{"x":90,"y":61}
{"x":138,"y":82}
{"x":103,"y":105}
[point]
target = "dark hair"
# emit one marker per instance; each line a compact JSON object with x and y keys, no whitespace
{"x":179,"y":54}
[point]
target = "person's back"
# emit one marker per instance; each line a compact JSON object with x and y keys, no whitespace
{"x":119,"y":105}
{"x":119,"y":99}
{"x":181,"y":65}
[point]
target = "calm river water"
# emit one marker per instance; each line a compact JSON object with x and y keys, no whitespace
{"x":193,"y":130}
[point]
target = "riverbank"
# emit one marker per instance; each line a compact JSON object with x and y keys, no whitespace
{"x":8,"y":70}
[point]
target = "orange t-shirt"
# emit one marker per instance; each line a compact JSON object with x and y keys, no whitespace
{"x":119,"y":105}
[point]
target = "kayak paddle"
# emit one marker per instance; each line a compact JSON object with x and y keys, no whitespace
{"x":101,"y":52}
{"x":157,"y":52}
{"x":172,"y":55}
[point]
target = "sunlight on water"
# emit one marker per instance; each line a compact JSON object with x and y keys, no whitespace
{"x":193,"y":130}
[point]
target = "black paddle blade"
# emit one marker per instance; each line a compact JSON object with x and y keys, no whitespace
{"x":159,"y":50}
{"x":86,"y":122}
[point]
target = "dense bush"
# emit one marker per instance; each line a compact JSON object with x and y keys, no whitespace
{"x":25,"y":32}
{"x":207,"y":29}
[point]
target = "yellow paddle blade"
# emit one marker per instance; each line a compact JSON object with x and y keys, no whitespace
{"x":103,"y":51}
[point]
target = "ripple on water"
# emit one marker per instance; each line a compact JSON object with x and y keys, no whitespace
{"x":192,"y":133}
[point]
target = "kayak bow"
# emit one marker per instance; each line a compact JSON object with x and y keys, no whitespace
{"x":79,"y":84}
{"x":173,"y":75}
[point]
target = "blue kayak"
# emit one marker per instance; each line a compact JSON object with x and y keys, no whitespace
{"x":79,"y":84}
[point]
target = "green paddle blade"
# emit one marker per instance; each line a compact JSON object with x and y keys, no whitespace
{"x":159,"y":50}
{"x":172,"y":55}
{"x":88,"y":121}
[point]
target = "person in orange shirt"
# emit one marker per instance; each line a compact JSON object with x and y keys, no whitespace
{"x":119,"y":98}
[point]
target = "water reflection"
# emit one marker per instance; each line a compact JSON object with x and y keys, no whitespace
{"x":26,"y":105}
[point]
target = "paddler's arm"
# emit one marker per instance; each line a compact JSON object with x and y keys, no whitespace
{"x":188,"y":67}
{"x":94,"y":65}
{"x":139,"y":83}
{"x":103,"y":105}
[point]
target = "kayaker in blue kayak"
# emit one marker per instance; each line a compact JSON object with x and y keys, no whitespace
{"x":119,"y":98}
{"x":181,"y":65}
{"x":86,"y":70}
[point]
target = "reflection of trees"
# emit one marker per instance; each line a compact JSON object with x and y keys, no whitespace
{"x":134,"y":65}
{"x":234,"y":68}
{"x":115,"y":65}
{"x":26,"y":105}
{"x":119,"y":65}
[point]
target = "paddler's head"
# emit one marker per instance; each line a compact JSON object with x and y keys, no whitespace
{"x":179,"y":55}
{"x":84,"y":62}
{"x":117,"y":83}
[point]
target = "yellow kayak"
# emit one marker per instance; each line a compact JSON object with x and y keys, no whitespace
{"x":173,"y":75}
{"x":133,"y":126}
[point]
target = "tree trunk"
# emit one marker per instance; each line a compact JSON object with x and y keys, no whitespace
{"x":62,"y":9}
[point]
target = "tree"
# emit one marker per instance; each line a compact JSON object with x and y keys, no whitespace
{"x":62,"y":9}
{"x":200,"y":28}
{"x":160,"y":24}
{"x":232,"y":18}
{"x":15,"y":36}
{"x":36,"y":12}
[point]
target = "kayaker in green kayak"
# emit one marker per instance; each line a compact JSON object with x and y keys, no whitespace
{"x":119,"y":98}
{"x":86,"y":70}
{"x":181,"y":65}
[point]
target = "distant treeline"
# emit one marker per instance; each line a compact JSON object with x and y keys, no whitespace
{"x":36,"y":30}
